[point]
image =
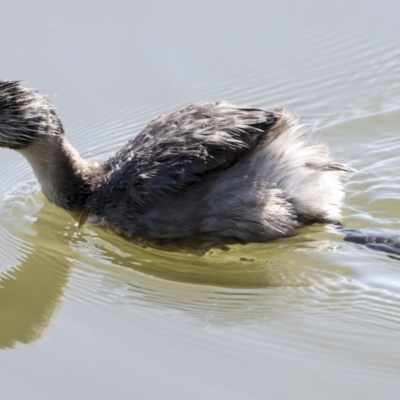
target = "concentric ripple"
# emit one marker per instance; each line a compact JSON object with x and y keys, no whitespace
{"x":306,"y":317}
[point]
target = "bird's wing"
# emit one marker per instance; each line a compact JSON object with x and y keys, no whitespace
{"x":175,"y":151}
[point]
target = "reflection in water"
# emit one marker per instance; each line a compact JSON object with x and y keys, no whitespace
{"x":244,"y":285}
{"x":274,"y":264}
{"x":31,"y":292}
{"x":300,"y":277}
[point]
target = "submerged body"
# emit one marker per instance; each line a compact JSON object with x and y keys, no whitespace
{"x":212,"y":172}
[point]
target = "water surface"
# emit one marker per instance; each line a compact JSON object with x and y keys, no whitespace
{"x":85,"y":313}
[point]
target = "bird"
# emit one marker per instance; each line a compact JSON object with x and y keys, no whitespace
{"x":214,"y":172}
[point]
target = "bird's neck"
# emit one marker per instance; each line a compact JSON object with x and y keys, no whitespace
{"x":66,"y":179}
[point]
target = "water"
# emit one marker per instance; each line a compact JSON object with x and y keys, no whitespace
{"x":84,"y":313}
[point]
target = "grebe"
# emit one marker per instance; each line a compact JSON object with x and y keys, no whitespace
{"x":216,"y":172}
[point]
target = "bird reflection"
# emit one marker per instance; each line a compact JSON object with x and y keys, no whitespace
{"x":32,"y":291}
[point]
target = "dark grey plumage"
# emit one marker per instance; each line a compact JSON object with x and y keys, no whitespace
{"x":177,"y":150}
{"x":23,"y":114}
{"x":214,"y":172}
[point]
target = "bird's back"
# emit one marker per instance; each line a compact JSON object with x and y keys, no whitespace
{"x":219,"y":172}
